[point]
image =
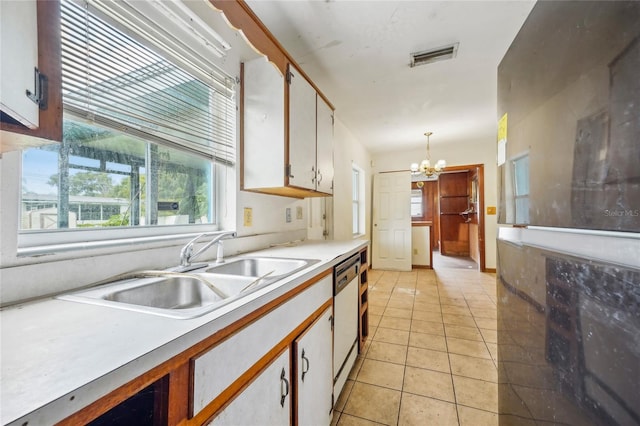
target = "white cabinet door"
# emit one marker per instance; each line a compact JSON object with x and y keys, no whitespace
{"x":266,"y":401}
{"x":324,"y":149}
{"x":19,"y":50}
{"x":314,"y":378}
{"x":302,"y":131}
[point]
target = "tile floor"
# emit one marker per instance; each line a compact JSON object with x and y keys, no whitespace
{"x":430,"y":358}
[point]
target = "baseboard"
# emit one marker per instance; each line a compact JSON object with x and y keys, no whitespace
{"x":421,"y":267}
{"x":490,"y":270}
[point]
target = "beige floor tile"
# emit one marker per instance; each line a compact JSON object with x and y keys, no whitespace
{"x":490,"y":336}
{"x":427,"y":316}
{"x":395,"y":323}
{"x":469,"y":333}
{"x":398,"y":313}
{"x":427,"y":306}
{"x":356,"y":368}
{"x":376,"y":310}
{"x":474,"y":417}
{"x":476,"y":368}
{"x":427,"y":327}
{"x":400,"y":304}
{"x":420,"y":411}
{"x":489,"y":324}
{"x":347,"y":420}
{"x":344,"y":396}
{"x":387,"y":352}
{"x":381,"y":373}
{"x":463,"y":320}
{"x":433,"y":384}
{"x":455,"y":310}
{"x":468,"y":348}
{"x":493,"y":350}
{"x":428,"y":341}
{"x":373,"y":403}
{"x":426,"y":298}
{"x":484,"y":313}
{"x":455,"y":302}
{"x":476,"y":393}
{"x":389,"y":335}
{"x":374,"y":320}
{"x":429,"y":359}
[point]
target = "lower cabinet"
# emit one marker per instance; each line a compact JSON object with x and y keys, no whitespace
{"x":265,"y":401}
{"x":314,"y":372}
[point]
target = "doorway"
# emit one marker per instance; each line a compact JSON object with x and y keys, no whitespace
{"x":453,"y":206}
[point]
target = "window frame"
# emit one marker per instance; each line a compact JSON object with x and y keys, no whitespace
{"x":518,"y":213}
{"x":357,"y":201}
{"x":38,"y":242}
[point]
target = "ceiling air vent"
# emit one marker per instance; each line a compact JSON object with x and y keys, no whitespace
{"x":434,"y":55}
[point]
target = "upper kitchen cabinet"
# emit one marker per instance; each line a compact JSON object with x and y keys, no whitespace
{"x":31,"y":101}
{"x":287,"y":133}
{"x":286,"y":129}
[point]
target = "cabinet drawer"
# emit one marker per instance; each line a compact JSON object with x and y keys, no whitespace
{"x":218,"y":368}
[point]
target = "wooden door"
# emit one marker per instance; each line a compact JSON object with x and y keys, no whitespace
{"x":392,"y":221}
{"x":453,"y":189}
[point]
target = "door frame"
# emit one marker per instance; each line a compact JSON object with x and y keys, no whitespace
{"x":481,"y":212}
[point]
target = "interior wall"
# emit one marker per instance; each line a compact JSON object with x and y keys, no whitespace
{"x":347,"y":151}
{"x":481,"y":150}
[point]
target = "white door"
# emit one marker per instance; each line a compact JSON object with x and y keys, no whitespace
{"x":266,"y":401}
{"x":19,"y":49}
{"x":302,"y":132}
{"x":314,"y":377}
{"x":391,"y":245}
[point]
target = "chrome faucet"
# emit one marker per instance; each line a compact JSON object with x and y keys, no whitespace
{"x":187,"y":255}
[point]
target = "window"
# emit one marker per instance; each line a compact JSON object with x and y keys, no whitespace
{"x":142,"y":135}
{"x":357,"y":197}
{"x":417,"y":203}
{"x":521,"y":188}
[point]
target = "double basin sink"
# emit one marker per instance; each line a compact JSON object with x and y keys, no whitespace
{"x":191,"y":294}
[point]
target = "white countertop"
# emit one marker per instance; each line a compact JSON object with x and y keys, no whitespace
{"x":58,"y":356}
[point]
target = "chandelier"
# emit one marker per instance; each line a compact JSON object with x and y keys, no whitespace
{"x":425,"y":166}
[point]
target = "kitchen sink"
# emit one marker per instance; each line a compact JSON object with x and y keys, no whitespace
{"x":270,"y":268}
{"x":167,"y":294}
{"x":188,"y":295}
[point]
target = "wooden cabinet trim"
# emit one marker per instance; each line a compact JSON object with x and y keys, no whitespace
{"x":120,"y":394}
{"x":236,"y":388}
{"x":241,"y":17}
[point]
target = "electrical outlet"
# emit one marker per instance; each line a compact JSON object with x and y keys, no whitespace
{"x":248,"y":216}
{"x":491,"y":210}
{"x":288,"y":214}
{"x":299,"y":213}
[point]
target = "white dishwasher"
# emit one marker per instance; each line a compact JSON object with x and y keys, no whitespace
{"x":345,"y":311}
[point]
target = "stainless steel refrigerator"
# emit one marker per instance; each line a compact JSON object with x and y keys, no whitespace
{"x":568,"y":270}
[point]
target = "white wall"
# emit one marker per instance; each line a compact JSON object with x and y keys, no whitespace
{"x":457,"y":153}
{"x":347,"y":151}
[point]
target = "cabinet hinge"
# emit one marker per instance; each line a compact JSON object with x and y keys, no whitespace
{"x":289,"y":76}
{"x":288,"y":171}
{"x":331,"y":321}
{"x":333,"y":122}
{"x":40,"y":86}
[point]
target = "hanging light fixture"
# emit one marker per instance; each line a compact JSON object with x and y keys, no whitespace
{"x":425,"y":166}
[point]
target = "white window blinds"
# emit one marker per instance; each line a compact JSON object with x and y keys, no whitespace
{"x":112,"y":79}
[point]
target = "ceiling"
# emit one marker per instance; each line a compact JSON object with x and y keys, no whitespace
{"x":358,"y":54}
